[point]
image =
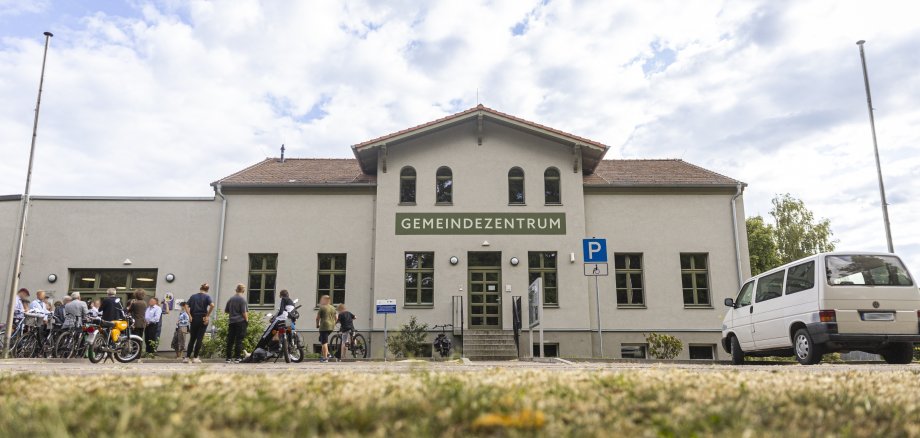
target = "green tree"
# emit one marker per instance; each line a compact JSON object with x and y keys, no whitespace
{"x":761,"y":245}
{"x":796,"y":232}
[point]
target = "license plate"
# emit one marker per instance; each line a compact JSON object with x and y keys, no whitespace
{"x":878,"y":316}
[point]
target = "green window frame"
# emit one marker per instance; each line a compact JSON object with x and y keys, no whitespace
{"x":330,"y":277}
{"x":552,"y":186}
{"x":444,"y":186}
{"x":263,"y":276}
{"x":630,"y":284}
{"x":419,"y":281}
{"x":694,"y":274}
{"x":542,"y":264}
{"x":92,"y":283}
{"x":516,"y":186}
{"x":407,"y":190}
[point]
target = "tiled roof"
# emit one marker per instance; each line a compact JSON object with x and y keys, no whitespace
{"x":668,"y":172}
{"x":300,"y":172}
{"x":346,"y":171}
{"x":486,"y":110}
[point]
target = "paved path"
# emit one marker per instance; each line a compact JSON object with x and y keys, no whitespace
{"x":170,"y":367}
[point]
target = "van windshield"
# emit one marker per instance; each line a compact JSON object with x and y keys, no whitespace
{"x":866,"y":270}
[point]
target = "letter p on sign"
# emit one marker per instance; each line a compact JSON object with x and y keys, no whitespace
{"x":595,"y":250}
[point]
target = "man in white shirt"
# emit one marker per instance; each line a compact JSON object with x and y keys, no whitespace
{"x":153,"y":315}
{"x":19,"y":311}
{"x":38,"y":304}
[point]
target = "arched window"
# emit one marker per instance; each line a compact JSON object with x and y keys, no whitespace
{"x":552,"y":189}
{"x":516,"y":186}
{"x":444,"y":186}
{"x":407,"y":185}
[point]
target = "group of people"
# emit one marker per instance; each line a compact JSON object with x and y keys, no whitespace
{"x":194,"y":318}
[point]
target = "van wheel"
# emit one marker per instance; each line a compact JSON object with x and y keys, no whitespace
{"x":898,"y":353}
{"x":806,"y":351}
{"x":737,"y":354}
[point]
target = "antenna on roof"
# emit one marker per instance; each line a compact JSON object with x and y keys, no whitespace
{"x":477,"y":96}
{"x":282,"y":152}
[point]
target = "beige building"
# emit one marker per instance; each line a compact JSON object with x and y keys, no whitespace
{"x":453,"y":219}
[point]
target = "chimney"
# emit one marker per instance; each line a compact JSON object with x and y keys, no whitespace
{"x":282,"y":153}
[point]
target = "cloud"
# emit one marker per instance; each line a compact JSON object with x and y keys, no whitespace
{"x":160,"y":98}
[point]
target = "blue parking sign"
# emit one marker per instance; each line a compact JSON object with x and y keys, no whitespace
{"x":595,"y":250}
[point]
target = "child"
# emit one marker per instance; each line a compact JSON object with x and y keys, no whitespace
{"x":346,"y":321}
{"x":178,"y":342}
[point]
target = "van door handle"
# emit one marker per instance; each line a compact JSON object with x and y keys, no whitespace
{"x":752,"y":309}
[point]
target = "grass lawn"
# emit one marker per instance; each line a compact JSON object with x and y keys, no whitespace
{"x":648,"y":402}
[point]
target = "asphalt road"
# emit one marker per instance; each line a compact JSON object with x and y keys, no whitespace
{"x":149,"y":367}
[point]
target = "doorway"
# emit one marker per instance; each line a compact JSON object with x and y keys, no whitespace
{"x":485,"y":278}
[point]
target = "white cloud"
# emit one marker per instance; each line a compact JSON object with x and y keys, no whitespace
{"x":178,"y":94}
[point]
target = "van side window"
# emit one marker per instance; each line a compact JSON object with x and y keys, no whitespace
{"x":770,"y":286}
{"x":744,"y":297}
{"x":801,"y":277}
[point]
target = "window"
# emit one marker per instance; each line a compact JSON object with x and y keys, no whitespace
{"x":543,"y":265}
{"x":744,"y":297}
{"x":407,"y":185}
{"x":419,"y":278}
{"x":552,"y":191}
{"x":857,"y":270}
{"x":770,"y":286}
{"x":516,"y":186}
{"x":633,"y":351}
{"x":263,"y":270}
{"x":549,"y":350}
{"x":702,"y":352}
{"x":92,"y":282}
{"x":331,"y":277}
{"x":801,"y":277}
{"x":628,"y":277}
{"x":444,"y":186}
{"x":694,"y":273}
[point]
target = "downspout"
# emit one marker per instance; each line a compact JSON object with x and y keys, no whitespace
{"x":371,"y":311}
{"x":740,"y":190}
{"x":218,"y":190}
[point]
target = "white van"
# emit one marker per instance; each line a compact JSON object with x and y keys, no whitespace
{"x":861,"y":301}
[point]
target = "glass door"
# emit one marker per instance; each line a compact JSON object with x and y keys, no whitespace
{"x":485,"y":290}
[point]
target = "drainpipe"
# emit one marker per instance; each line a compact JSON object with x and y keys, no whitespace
{"x":218,"y":190}
{"x":737,"y":239}
{"x":373,"y":307}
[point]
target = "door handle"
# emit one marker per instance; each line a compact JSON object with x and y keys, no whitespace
{"x":752,"y":309}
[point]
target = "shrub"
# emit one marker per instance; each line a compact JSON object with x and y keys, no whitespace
{"x":410,"y":340}
{"x":216,"y":344}
{"x":663,"y":346}
{"x":917,"y":352}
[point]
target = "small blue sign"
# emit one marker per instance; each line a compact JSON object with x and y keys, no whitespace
{"x":595,"y":250}
{"x":386,"y":306}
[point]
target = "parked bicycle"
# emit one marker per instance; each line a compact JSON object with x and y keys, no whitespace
{"x":75,"y":342}
{"x":356,"y":345}
{"x":442,"y":343}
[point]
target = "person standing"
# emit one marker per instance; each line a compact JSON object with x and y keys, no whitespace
{"x":346,"y":326}
{"x":325,"y":322}
{"x":182,"y":326}
{"x":200,"y":306}
{"x":152,"y":317}
{"x":138,"y":309}
{"x":75,"y":311}
{"x":109,"y":307}
{"x":93,"y":311}
{"x":238,"y":317}
{"x":19,"y":309}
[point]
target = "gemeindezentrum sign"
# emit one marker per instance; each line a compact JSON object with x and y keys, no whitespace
{"x":480,"y":223}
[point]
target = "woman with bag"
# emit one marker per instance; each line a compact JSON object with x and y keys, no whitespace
{"x":178,"y":341}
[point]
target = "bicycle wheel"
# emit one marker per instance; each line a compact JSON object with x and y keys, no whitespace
{"x":129,"y":351}
{"x":97,"y":351}
{"x":28,"y":346}
{"x":359,"y":347}
{"x":64,"y":346}
{"x":335,"y":346}
{"x":295,"y":350}
{"x":285,"y":347}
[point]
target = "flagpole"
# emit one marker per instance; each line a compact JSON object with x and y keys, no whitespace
{"x":24,"y":208}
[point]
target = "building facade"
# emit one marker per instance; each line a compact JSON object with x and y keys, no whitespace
{"x":453,"y":219}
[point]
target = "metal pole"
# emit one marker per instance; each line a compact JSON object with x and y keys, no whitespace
{"x":24,"y":208}
{"x":597,"y":299}
{"x":385,"y":336}
{"x":878,"y":163}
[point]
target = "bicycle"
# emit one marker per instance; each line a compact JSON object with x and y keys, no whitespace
{"x":75,"y":342}
{"x":442,"y":343}
{"x":357,"y":345}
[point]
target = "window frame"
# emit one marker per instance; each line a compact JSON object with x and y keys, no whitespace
{"x":628,"y":271}
{"x":710,"y":347}
{"x":263,"y":273}
{"x":542,"y":270}
{"x":738,"y":304}
{"x":787,"y":290}
{"x":642,"y":346}
{"x":523,"y":180}
{"x":332,"y":272}
{"x":418,"y":272}
{"x":694,"y":272}
{"x":405,"y":179}
{"x":97,"y":291}
{"x":546,"y":180}
{"x":760,"y":281}
{"x":449,"y":188}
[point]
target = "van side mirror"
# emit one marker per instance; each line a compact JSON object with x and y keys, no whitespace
{"x":730,"y":303}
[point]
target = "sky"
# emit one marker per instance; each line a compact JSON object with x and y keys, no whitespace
{"x":160,"y":98}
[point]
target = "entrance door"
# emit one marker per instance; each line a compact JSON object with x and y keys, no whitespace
{"x":485,"y":276}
